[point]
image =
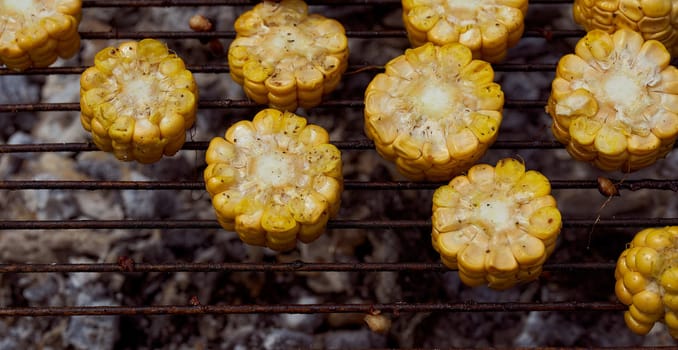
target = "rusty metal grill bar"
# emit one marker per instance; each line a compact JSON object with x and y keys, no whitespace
{"x":176,"y":3}
{"x":170,"y":224}
{"x":219,"y":68}
{"x":632,"y":185}
{"x":364,"y":34}
{"x":297,"y":266}
{"x":202,"y":145}
{"x":317,"y":308}
{"x":230,"y":103}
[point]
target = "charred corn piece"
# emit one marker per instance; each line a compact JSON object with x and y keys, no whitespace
{"x":647,"y":280}
{"x":35,"y":33}
{"x":496,"y":225}
{"x":138,"y":100}
{"x":274,"y":180}
{"x":488,"y":27}
{"x":286,"y":58}
{"x":653,"y":19}
{"x":614,"y":102}
{"x":434,"y":111}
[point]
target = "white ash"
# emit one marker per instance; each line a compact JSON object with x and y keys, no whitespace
{"x":147,"y":205}
{"x":51,"y":204}
{"x":542,"y":328}
{"x":17,"y":89}
{"x":307,"y":323}
{"x":352,"y":339}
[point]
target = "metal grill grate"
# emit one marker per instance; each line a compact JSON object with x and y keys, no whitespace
{"x":359,"y":144}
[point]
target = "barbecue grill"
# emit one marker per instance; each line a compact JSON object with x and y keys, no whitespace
{"x":578,"y":282}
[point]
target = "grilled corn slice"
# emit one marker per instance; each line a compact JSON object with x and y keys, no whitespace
{"x":138,"y":100}
{"x":487,"y":27}
{"x":653,"y":19}
{"x":286,"y":58}
{"x":434,"y":111}
{"x":33,"y":33}
{"x":614,"y":102}
{"x":497,"y":225}
{"x":647,"y":280}
{"x":274,"y":180}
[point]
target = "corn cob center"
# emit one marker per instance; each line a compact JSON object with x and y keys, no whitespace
{"x":136,"y":87}
{"x":622,"y":90}
{"x":495,"y":210}
{"x":270,"y":166}
{"x":433,"y":107}
{"x":138,"y":94}
{"x":435,"y":100}
{"x":276,"y":169}
{"x":497,"y":214}
{"x":621,"y":86}
{"x":289,"y":38}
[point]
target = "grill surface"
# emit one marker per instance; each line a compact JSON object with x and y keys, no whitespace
{"x":603,"y":226}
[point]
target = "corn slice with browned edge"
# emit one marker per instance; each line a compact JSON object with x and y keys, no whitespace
{"x":614,"y":102}
{"x":487,"y":27}
{"x":647,"y":280}
{"x":34,"y":33}
{"x":496,"y":225}
{"x":653,"y":19}
{"x":285,"y":57}
{"x":434,"y":111}
{"x":138,"y":100}
{"x":274,"y":180}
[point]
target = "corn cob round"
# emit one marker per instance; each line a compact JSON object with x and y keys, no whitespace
{"x":647,"y":280}
{"x":35,"y":33}
{"x":284,"y":57}
{"x":497,"y":225}
{"x":434,"y":112}
{"x":274,"y":180}
{"x":487,"y":27}
{"x":138,"y":100}
{"x":614,"y":102}
{"x":653,"y":19}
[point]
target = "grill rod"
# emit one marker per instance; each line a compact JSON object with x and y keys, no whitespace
{"x":230,"y":103}
{"x":362,"y":34}
{"x":632,"y":185}
{"x":308,"y":309}
{"x":297,"y":266}
{"x":170,"y":224}
{"x":177,"y":3}
{"x":202,"y":145}
{"x":219,"y":68}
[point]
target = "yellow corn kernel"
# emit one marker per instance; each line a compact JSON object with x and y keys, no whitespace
{"x":613,"y":112}
{"x":487,"y":29}
{"x":141,"y":99}
{"x":647,"y":278}
{"x":636,"y":326}
{"x":434,"y":112}
{"x":652,"y":18}
{"x":274,"y":180}
{"x":285,"y":57}
{"x":492,"y":233}
{"x":669,"y":280}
